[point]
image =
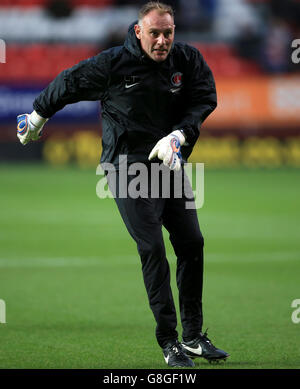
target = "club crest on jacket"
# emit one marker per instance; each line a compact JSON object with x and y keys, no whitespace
{"x":176,"y":79}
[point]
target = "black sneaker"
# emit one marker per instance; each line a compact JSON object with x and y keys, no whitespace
{"x":203,"y":347}
{"x":175,"y":356}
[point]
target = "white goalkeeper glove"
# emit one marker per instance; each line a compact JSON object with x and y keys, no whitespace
{"x":168,"y":150}
{"x":29,"y":127}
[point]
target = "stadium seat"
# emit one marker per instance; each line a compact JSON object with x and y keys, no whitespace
{"x":41,"y":62}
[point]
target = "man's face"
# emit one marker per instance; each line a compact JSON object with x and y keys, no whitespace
{"x":156,"y":35}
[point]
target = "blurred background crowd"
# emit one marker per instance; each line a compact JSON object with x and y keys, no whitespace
{"x":250,"y":45}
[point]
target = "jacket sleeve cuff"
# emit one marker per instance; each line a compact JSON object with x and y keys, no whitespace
{"x":182,"y":137}
{"x":37,"y":120}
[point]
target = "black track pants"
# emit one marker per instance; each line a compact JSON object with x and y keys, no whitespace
{"x":144,"y":218}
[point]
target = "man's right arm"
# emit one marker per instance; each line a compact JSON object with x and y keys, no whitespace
{"x":85,"y":81}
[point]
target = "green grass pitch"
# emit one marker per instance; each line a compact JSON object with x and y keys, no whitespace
{"x":71,"y":278}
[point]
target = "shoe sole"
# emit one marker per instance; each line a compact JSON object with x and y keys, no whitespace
{"x":167,"y":362}
{"x":210,"y":360}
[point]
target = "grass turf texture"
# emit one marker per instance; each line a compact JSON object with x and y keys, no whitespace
{"x":72,"y":283}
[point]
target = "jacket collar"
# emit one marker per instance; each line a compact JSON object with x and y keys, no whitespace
{"x":131,"y":43}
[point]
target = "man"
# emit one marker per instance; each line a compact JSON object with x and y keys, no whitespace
{"x":155,"y":94}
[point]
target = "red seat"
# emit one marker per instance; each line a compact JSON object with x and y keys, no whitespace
{"x":41,"y":61}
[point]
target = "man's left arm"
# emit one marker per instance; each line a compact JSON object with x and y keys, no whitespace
{"x":200,"y":97}
{"x":200,"y":100}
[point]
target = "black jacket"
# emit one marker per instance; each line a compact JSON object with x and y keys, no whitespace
{"x":142,"y":100}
